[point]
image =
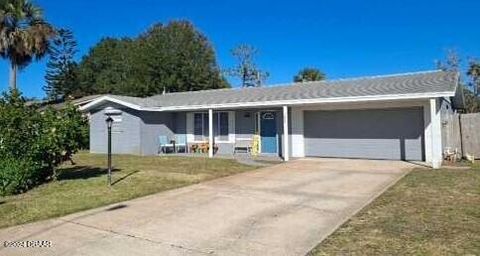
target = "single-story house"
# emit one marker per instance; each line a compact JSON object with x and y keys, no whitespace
{"x":380,"y":117}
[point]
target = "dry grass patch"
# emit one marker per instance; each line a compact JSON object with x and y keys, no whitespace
{"x":84,"y":186}
{"x":426,"y":213}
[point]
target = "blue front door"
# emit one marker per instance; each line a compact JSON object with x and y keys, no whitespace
{"x":268,"y":132}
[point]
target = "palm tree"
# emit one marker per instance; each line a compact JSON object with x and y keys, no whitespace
{"x":24,"y":35}
{"x":309,"y":75}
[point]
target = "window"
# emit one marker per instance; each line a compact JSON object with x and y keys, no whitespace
{"x":220,"y":126}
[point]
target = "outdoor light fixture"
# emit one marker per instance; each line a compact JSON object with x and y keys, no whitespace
{"x":109,"y":121}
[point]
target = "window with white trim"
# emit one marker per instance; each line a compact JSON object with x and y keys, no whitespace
{"x":220,"y":126}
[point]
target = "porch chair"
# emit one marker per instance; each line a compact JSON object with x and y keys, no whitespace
{"x":243,"y":144}
{"x":164,"y":144}
{"x":181,"y":142}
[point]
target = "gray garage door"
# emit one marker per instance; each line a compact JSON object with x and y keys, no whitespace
{"x":373,"y":134}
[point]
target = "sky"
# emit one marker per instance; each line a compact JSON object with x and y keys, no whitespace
{"x":344,"y":39}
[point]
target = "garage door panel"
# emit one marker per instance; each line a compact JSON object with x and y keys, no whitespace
{"x":375,"y":134}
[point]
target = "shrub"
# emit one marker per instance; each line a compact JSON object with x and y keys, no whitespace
{"x":64,"y":133}
{"x":17,"y":175}
{"x":37,"y":141}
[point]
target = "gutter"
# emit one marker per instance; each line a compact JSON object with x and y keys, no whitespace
{"x":275,"y":103}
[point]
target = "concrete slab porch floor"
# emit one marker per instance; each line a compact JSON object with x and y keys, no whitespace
{"x":284,"y":209}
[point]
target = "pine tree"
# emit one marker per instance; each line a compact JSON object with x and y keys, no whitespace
{"x":61,"y":77}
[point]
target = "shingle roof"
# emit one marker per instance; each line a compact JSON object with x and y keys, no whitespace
{"x":433,"y":82}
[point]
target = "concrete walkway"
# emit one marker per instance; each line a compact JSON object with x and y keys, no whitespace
{"x":280,"y":210}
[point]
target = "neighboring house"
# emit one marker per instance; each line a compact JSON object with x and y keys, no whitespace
{"x":381,"y":117}
{"x":76,"y":102}
{"x":57,"y":104}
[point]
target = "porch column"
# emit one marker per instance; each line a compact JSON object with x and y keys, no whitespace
{"x":436,"y":135}
{"x":210,"y":133}
{"x":286,"y":154}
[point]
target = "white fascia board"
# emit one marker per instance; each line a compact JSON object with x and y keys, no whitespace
{"x":309,"y":101}
{"x":273,"y":103}
{"x":109,"y":99}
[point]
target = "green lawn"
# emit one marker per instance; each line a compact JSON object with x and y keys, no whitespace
{"x":84,"y":185}
{"x":426,"y":213}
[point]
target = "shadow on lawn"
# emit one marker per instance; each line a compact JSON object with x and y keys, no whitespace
{"x":82,"y":172}
{"x":124,"y":177}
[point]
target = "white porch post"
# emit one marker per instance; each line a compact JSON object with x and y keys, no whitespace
{"x":210,"y":133}
{"x":286,"y":154}
{"x":428,"y":132}
{"x":436,"y":135}
{"x":296,"y":130}
{"x":433,"y":134}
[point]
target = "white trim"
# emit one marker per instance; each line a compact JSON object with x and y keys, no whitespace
{"x":428,"y":132}
{"x":231,"y":126}
{"x":259,"y":131}
{"x":298,"y":144}
{"x":210,"y":133}
{"x":436,"y":132}
{"x":433,"y":133}
{"x":273,"y":103}
{"x":107,"y":98}
{"x":286,"y":146}
{"x":190,"y":128}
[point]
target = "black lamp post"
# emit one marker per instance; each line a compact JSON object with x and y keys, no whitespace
{"x":109,"y":121}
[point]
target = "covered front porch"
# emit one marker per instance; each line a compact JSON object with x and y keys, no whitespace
{"x":251,"y":132}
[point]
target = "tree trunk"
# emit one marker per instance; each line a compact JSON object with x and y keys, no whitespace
{"x":13,"y":76}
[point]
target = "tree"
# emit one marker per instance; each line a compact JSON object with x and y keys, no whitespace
{"x":33,"y":143}
{"x":173,"y":58}
{"x":309,"y":74}
{"x":24,"y":35}
{"x":472,"y":95}
{"x":107,"y":68}
{"x":247,"y":70}
{"x":451,"y":63}
{"x":177,"y":57}
{"x":474,"y":74}
{"x":61,"y":77}
{"x":472,"y":102}
{"x":470,"y":89}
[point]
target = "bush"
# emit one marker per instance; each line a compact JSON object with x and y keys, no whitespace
{"x":37,"y":141}
{"x":17,"y":175}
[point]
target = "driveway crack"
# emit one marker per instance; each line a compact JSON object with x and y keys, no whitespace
{"x":142,"y":238}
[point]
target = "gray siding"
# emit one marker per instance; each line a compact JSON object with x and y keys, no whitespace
{"x":125,"y":134}
{"x":181,"y":123}
{"x":244,"y":124}
{"x":374,"y":134}
{"x":225,"y":148}
{"x":136,"y":134}
{"x":280,"y":136}
{"x":155,"y":124}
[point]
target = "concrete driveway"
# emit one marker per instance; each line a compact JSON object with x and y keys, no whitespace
{"x":280,"y":210}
